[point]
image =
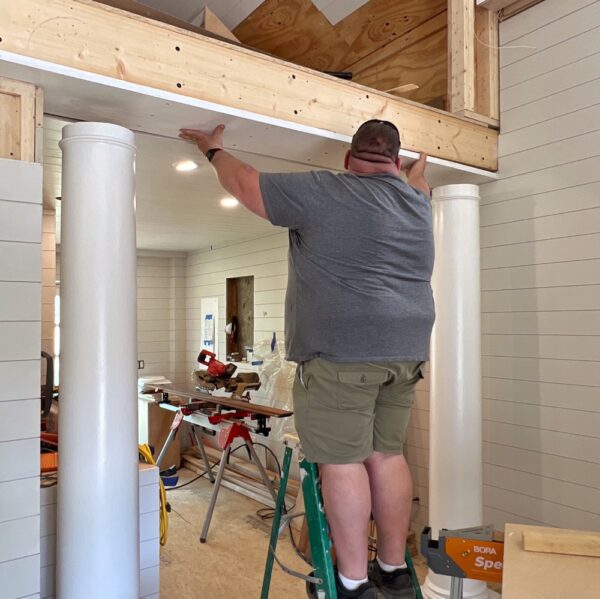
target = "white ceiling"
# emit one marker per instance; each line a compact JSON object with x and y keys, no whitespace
{"x":231,"y":12}
{"x":175,"y":211}
{"x":336,"y":10}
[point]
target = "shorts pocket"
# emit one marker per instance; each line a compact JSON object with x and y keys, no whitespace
{"x":357,"y":390}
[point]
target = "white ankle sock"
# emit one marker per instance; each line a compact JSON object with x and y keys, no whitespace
{"x":349,"y":584}
{"x":387,"y":567}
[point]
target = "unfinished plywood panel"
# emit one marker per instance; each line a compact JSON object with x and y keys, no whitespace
{"x":544,"y":575}
{"x":416,"y":58}
{"x":298,"y":31}
{"x":218,"y":72}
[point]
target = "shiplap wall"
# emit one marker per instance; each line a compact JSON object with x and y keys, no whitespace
{"x":540,"y":256}
{"x":48,"y":283}
{"x":265,"y":259}
{"x":161,"y":287}
{"x":20,"y":343}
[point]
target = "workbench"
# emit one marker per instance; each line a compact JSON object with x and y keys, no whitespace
{"x":219,"y":414}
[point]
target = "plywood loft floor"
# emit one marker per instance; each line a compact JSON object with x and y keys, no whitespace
{"x":231,"y":564}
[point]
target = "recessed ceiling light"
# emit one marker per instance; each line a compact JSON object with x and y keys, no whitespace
{"x":185,"y":165}
{"x":229,"y":202}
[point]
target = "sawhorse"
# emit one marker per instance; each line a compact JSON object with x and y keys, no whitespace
{"x":227,"y":435}
{"x":322,"y":576}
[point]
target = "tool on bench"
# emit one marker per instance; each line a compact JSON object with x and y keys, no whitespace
{"x":230,"y":419}
{"x":219,"y":375}
{"x":322,"y":578}
{"x":476,"y":553}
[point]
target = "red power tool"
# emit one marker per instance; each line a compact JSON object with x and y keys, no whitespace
{"x":215,"y":368}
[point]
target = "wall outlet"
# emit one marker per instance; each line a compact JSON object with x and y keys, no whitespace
{"x":141,"y":365}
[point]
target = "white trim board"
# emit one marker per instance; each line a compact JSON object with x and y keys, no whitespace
{"x":80,"y":95}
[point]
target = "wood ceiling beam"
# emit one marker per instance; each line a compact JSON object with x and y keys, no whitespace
{"x":106,"y":41}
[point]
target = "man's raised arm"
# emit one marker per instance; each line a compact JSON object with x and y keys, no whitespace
{"x":238,"y":178}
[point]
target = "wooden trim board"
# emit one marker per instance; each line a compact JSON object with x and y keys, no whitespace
{"x":568,"y":542}
{"x":533,"y":575}
{"x":104,"y":41}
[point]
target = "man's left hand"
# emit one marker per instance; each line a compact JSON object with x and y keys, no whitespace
{"x":204,"y":141}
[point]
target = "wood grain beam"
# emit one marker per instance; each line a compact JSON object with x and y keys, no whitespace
{"x":487,"y":85}
{"x":106,"y":41}
{"x":461,"y":55}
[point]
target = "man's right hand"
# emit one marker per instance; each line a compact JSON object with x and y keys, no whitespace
{"x":415,"y":174}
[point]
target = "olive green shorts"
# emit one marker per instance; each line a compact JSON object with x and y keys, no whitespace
{"x":345,"y":411}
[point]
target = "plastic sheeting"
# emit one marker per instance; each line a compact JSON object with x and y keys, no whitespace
{"x":277,"y":378}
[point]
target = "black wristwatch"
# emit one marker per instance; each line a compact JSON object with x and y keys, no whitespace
{"x":211,"y":153}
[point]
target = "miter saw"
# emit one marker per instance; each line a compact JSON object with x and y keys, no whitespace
{"x":219,"y":375}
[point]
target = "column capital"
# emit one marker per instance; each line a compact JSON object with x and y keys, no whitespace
{"x":456,"y":191}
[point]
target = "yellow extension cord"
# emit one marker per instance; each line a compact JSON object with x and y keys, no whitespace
{"x":164,"y":517}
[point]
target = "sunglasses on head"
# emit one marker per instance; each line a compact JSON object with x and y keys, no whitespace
{"x":381,"y":122}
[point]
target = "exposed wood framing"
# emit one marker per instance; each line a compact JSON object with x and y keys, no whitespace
{"x":473,"y":84}
{"x":487,"y":85}
{"x":102,"y":40}
{"x":461,"y":55}
{"x":19,"y":104}
{"x":384,"y":44}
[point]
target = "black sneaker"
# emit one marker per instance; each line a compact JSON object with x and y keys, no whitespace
{"x":394,"y":585}
{"x":368,"y":590}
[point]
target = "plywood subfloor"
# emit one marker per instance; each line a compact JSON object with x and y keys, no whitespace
{"x":230,"y":565}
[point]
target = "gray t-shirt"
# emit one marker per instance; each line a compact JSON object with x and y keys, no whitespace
{"x":360,"y":261}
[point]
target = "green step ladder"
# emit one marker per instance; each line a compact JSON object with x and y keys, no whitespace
{"x":322,"y":576}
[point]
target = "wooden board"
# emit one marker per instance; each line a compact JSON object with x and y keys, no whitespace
{"x":187,"y":390}
{"x":531,"y":575}
{"x":487,"y":82}
{"x":461,"y":55}
{"x":18,"y":120}
{"x":108,"y":42}
{"x":568,"y":542}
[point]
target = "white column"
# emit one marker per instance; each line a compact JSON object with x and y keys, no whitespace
{"x":98,"y":526}
{"x":455,"y":462}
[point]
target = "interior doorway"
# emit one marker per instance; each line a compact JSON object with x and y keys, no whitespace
{"x":240,"y":315}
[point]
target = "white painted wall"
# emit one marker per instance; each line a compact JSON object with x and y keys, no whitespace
{"x":149,"y":536}
{"x":20,"y":335}
{"x":161,"y":291}
{"x":265,"y":259}
{"x":540,"y":244}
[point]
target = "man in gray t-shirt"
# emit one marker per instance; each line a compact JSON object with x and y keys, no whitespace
{"x":359,"y":313}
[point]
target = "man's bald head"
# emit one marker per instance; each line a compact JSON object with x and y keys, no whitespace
{"x":376,"y":141}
